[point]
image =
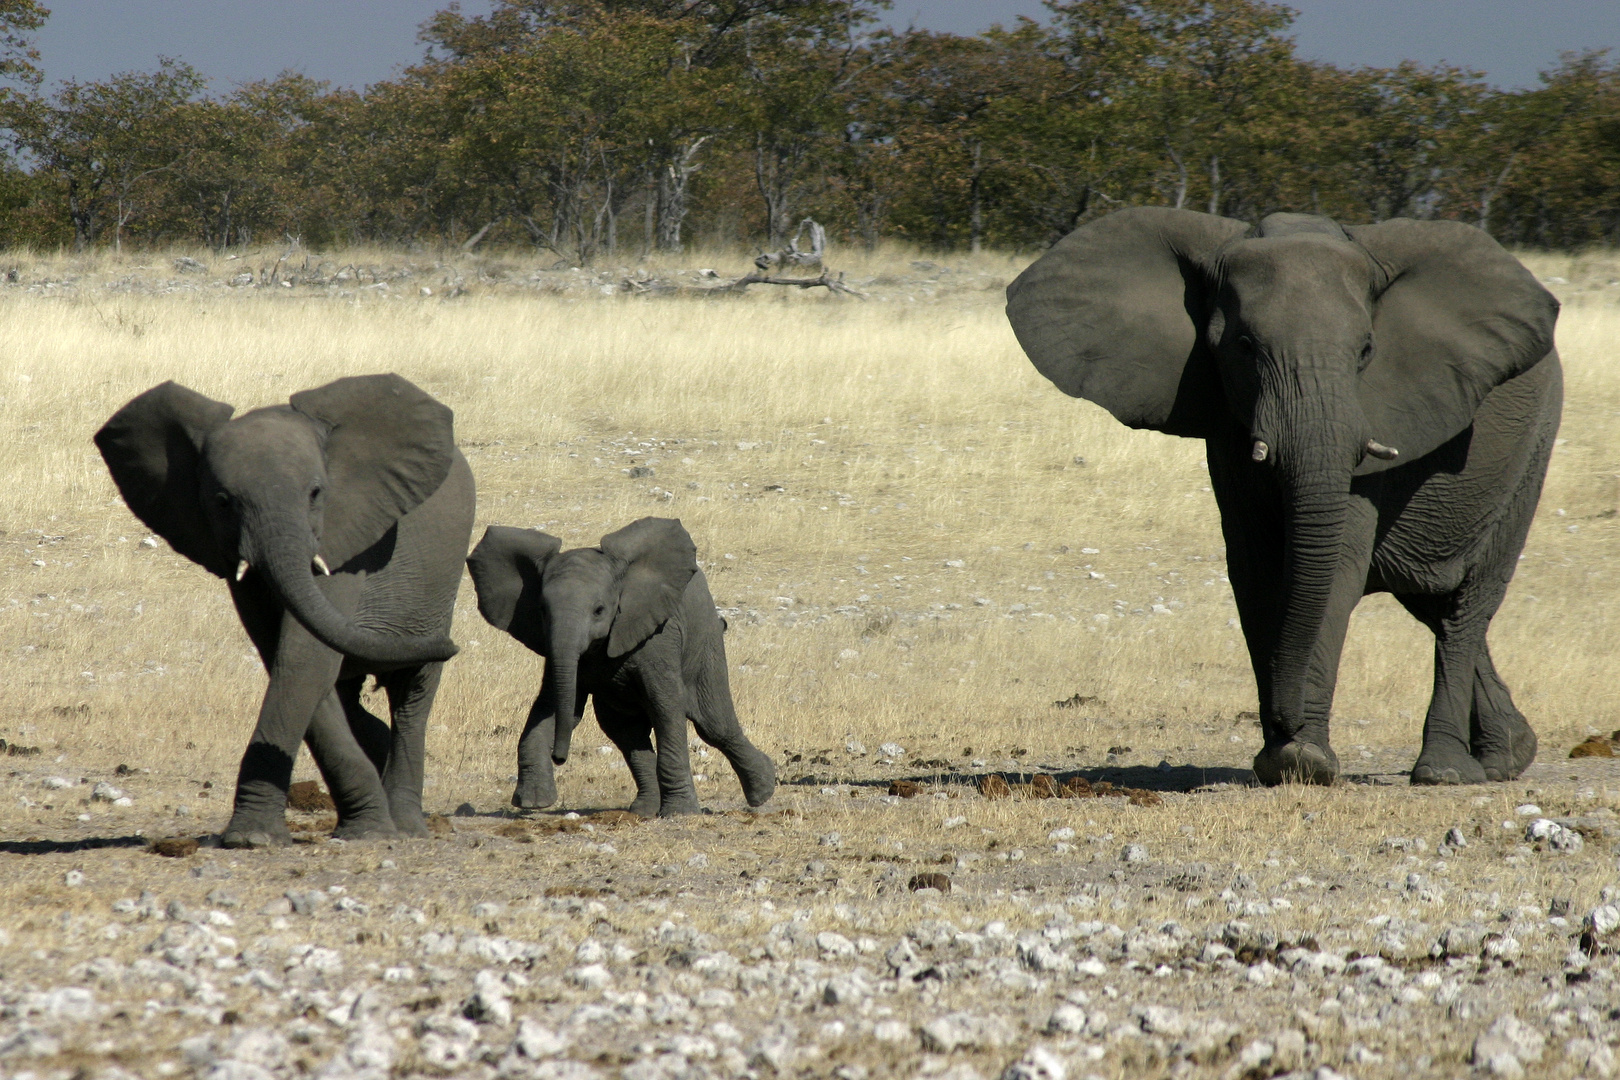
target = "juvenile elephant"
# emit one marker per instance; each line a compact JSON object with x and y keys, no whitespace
{"x":339,"y":522}
{"x":1378,"y":404}
{"x":631,"y":624}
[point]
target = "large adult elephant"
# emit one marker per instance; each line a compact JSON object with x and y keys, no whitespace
{"x":1378,"y":405}
{"x":340,"y":522}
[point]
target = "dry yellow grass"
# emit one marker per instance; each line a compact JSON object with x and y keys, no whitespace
{"x":834,"y":461}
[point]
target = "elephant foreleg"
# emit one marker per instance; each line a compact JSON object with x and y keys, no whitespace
{"x":715,"y":718}
{"x":666,"y":702}
{"x":537,"y":782}
{"x":627,"y":727}
{"x":349,"y":773}
{"x":301,"y":677}
{"x":410,"y":701}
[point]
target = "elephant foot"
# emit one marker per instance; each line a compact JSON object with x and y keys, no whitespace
{"x":1296,"y":763}
{"x":678,"y":806}
{"x":1505,"y":749}
{"x":255,"y":835}
{"x":758,"y":780}
{"x":534,"y":794}
{"x":409,"y":824}
{"x":1450,"y":766}
{"x":367,"y":827}
{"x":645,"y":806}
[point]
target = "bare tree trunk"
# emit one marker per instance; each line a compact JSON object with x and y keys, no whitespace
{"x":976,"y":212}
{"x":1214,"y":183}
{"x":1181,"y":174}
{"x":649,"y":215}
{"x":673,"y":185}
{"x":1488,"y":196}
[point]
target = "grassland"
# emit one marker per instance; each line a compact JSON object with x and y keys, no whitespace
{"x":916,"y":539}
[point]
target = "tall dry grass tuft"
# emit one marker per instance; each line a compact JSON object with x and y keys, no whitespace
{"x":917,"y":538}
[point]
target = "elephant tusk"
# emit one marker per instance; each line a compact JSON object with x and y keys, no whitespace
{"x":1260,"y":451}
{"x":1379,"y":450}
{"x":241,"y":569}
{"x":321,"y":563}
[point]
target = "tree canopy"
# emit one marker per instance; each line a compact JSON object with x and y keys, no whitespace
{"x":597,"y":127}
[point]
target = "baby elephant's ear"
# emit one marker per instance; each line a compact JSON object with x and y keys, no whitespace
{"x":506,"y":569}
{"x":659,"y":560}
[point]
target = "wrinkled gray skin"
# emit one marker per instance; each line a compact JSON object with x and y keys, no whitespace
{"x":362,"y":475}
{"x":631,"y":625}
{"x":1303,"y":353}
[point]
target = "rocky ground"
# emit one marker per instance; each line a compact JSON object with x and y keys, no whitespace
{"x":1212,"y":930}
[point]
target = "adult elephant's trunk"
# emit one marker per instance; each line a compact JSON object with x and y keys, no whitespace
{"x":1315,"y":479}
{"x":287,"y":561}
{"x":563,"y":667}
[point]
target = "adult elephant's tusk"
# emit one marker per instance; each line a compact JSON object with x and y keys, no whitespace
{"x":241,"y":569}
{"x":1382,"y":452}
{"x":1260,"y":451}
{"x":320,"y":563}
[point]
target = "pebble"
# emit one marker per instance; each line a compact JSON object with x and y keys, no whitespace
{"x":1133,"y":853}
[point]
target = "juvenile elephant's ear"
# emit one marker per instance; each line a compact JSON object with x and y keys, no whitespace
{"x":1457,"y":316}
{"x":506,"y":568}
{"x":153,"y":448}
{"x":389,"y":446}
{"x":659,"y":559}
{"x":1114,"y":313}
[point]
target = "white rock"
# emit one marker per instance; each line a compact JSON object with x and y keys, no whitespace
{"x":535,"y":1040}
{"x":1133,"y":853}
{"x":1603,"y":919}
{"x":591,"y":977}
{"x":965,"y":1030}
{"x":105,"y":792}
{"x":1507,"y":1046}
{"x":1066,"y":1019}
{"x":890,"y":749}
{"x":591,"y":951}
{"x":1038,"y":1063}
{"x":834,"y":946}
{"x":1528,"y":810}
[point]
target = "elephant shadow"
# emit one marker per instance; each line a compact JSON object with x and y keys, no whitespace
{"x":1177,"y":778}
{"x":68,"y":847}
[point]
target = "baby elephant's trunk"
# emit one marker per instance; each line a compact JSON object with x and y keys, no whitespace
{"x":565,"y":682}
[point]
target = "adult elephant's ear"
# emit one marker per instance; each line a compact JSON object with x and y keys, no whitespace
{"x":506,"y":567}
{"x":1114,"y":313}
{"x":1456,"y":316}
{"x":388,"y":447}
{"x":659,"y":560}
{"x":153,"y":448}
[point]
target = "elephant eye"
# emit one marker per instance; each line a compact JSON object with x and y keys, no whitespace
{"x":222,"y":497}
{"x":1366,"y":356}
{"x":314,"y":493}
{"x":1246,"y":343}
{"x":600,"y":609}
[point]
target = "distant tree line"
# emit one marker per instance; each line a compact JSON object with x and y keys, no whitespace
{"x":614,"y":127}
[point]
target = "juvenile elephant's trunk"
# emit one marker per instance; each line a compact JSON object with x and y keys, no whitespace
{"x":564,"y":671}
{"x":287,"y":562}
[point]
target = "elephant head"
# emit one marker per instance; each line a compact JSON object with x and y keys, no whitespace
{"x":286,"y":491}
{"x":560,"y":605}
{"x":1323,"y":352}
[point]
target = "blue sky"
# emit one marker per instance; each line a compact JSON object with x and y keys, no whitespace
{"x":355,"y":42}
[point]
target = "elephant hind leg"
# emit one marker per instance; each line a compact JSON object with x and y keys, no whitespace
{"x":350,"y":776}
{"x":370,"y":730}
{"x":1459,"y":637}
{"x":1501,"y":738}
{"x":715,"y":719}
{"x":629,"y":730}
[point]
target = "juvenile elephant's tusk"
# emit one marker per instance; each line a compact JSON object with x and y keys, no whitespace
{"x":1379,"y":450}
{"x":1260,"y":451}
{"x":321,"y":564}
{"x":241,"y":569}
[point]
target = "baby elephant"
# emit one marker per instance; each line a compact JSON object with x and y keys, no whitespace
{"x":631,"y":624}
